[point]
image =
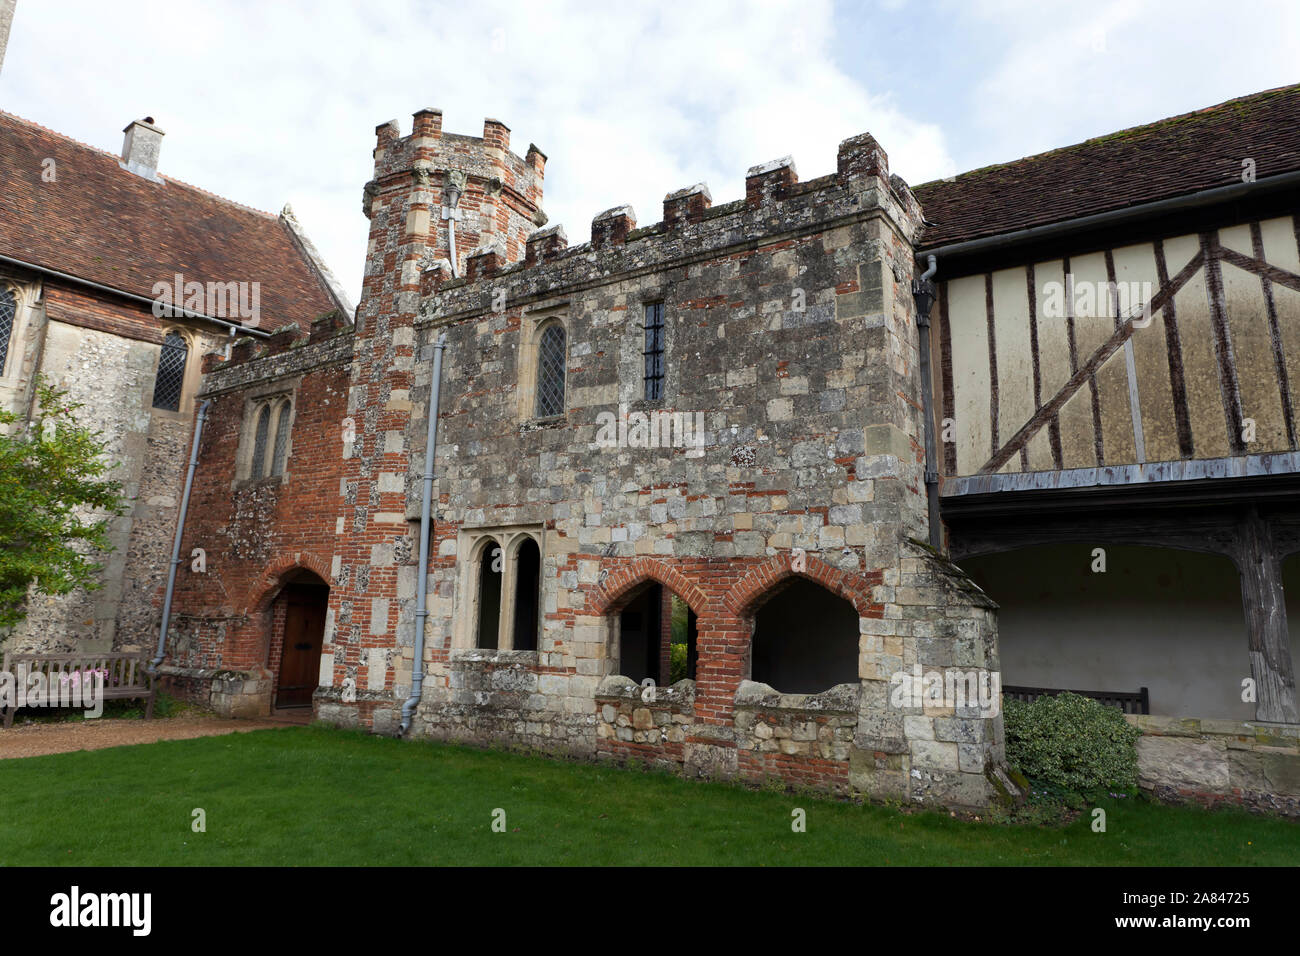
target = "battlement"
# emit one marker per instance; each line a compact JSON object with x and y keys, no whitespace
{"x":775,"y":204}
{"x":246,"y":349}
{"x":489,"y":191}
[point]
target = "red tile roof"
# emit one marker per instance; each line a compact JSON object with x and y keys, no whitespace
{"x":99,"y":222}
{"x":1176,"y":156}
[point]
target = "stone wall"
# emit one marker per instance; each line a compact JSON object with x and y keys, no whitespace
{"x":644,"y":727}
{"x":1220,"y":761}
{"x":789,"y":329}
{"x":105,"y":355}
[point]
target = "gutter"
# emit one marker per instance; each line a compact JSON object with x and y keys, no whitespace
{"x":99,"y":287}
{"x":426,"y":514}
{"x":923,"y":294}
{"x":1205,"y":197}
{"x":176,"y":542}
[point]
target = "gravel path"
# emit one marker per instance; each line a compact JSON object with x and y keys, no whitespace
{"x":33,"y":740}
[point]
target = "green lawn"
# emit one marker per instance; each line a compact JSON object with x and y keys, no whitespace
{"x":323,"y":797}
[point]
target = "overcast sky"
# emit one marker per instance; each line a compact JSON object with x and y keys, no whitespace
{"x":270,"y":102}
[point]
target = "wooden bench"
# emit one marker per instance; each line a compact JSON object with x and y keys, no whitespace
{"x":125,"y":675}
{"x":1130,"y":702}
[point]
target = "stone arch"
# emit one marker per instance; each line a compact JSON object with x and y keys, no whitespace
{"x":249,"y":643}
{"x":623,"y":583}
{"x":762,"y":582}
{"x":267,"y":585}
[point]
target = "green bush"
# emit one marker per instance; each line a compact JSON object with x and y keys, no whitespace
{"x":1071,"y":744}
{"x":677,"y":664}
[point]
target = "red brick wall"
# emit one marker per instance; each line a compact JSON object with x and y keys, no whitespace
{"x":256,"y":533}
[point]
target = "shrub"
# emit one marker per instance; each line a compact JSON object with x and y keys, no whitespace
{"x":1071,"y":743}
{"x":677,"y":663}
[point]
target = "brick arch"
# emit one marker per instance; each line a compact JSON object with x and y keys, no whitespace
{"x":608,"y":597}
{"x":267,"y":585}
{"x":762,"y":582}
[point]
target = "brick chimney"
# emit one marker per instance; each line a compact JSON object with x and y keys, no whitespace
{"x":140,"y":148}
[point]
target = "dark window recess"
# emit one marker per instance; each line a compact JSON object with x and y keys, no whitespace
{"x":550,"y":372}
{"x":654,"y":351}
{"x":528,"y":572}
{"x":281,"y":440}
{"x":171,"y":373}
{"x":489,"y":595}
{"x":8,"y":307}
{"x":805,"y":640}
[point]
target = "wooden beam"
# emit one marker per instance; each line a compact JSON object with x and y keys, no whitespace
{"x":1088,"y":371}
{"x":1266,"y":631}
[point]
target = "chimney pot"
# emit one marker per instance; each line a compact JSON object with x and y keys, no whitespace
{"x":140,"y":148}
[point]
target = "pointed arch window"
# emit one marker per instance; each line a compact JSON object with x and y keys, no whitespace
{"x":281,"y":439}
{"x":8,"y":311}
{"x":170,"y":380}
{"x":259,"y":441}
{"x":550,"y":371}
{"x":270,"y":423}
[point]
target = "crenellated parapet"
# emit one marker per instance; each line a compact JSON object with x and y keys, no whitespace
{"x":490,"y":192}
{"x":776,"y":205}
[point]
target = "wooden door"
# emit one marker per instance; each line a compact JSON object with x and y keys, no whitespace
{"x":304,"y":630}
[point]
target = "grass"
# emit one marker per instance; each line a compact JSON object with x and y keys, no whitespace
{"x":315,"y":796}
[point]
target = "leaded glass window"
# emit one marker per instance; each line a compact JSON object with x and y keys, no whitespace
{"x":8,"y":309}
{"x":171,"y":373}
{"x":654,"y":351}
{"x":259,"y":442}
{"x":550,"y":372}
{"x":281,"y":440}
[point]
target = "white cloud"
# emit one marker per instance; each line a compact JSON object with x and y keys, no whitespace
{"x":1057,"y":74}
{"x":275,"y":102}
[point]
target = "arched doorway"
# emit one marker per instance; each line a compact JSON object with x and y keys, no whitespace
{"x":299,"y":613}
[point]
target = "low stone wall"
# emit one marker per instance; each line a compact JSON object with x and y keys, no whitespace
{"x":504,"y":698}
{"x":1220,"y":761}
{"x":648,"y":728}
{"x":231,"y":693}
{"x":804,"y":739}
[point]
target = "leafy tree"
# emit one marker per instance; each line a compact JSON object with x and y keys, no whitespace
{"x":55,"y":503}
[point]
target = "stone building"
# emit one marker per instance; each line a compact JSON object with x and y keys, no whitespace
{"x":87,"y":240}
{"x":697,"y":487}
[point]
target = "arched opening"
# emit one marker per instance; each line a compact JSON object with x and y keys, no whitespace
{"x":805,"y":639}
{"x":488,"y":624}
{"x":657,"y":636}
{"x":528,"y":596}
{"x":1164,"y":619}
{"x":298,"y":612}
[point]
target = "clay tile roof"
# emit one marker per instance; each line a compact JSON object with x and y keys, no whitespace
{"x":98,"y":221}
{"x":1173,"y":157}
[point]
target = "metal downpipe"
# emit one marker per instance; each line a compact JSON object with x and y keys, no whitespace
{"x":176,"y":542}
{"x":422,"y":568}
{"x":923,"y":293}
